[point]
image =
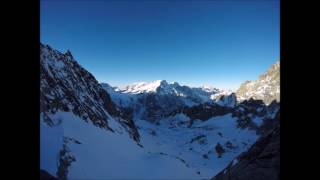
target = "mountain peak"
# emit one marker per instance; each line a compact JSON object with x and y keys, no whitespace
{"x":163,"y":82}
{"x":68,"y":53}
{"x":159,"y":82}
{"x":145,"y":87}
{"x":175,"y":83}
{"x":208,"y":88}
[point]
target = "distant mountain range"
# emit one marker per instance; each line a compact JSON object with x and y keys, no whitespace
{"x":155,"y":130}
{"x":190,"y":95}
{"x":153,"y":100}
{"x":266,"y":88}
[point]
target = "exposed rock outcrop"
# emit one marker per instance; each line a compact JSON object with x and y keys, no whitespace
{"x":66,"y":86}
{"x":266,"y":87}
{"x":260,"y":162}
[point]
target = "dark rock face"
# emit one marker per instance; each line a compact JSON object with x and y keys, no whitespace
{"x":66,"y":86}
{"x":206,"y":111}
{"x":260,"y":162}
{"x":201,"y":139}
{"x":44,"y":175}
{"x":65,"y":160}
{"x":249,"y":109}
{"x":227,"y":100}
{"x":205,"y":156}
{"x":219,"y":149}
{"x":244,"y":112}
{"x":268,"y":123}
{"x":201,"y":112}
{"x":156,"y":106}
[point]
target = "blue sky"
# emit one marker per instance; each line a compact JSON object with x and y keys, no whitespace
{"x":218,"y":43}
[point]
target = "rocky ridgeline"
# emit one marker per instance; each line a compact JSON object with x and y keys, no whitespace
{"x":245,"y":112}
{"x":66,"y":86}
{"x":266,"y":87}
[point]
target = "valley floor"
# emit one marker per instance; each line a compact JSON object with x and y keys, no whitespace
{"x":171,"y":150}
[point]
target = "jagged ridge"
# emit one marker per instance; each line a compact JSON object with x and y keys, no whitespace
{"x":266,"y":87}
{"x":66,"y":86}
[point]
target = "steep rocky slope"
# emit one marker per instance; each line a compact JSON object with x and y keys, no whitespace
{"x":44,"y":175}
{"x":66,"y":86}
{"x":266,"y":87}
{"x":260,"y":162}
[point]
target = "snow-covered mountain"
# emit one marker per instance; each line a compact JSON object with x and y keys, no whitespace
{"x":67,"y":88}
{"x":162,"y":87}
{"x":153,"y":100}
{"x":156,"y":130}
{"x":266,"y":87}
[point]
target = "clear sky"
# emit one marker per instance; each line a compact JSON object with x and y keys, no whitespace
{"x":218,"y":43}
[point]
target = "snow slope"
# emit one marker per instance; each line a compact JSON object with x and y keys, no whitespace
{"x":261,"y":161}
{"x":104,"y":154}
{"x":51,"y":142}
{"x":165,"y":153}
{"x":174,"y":139}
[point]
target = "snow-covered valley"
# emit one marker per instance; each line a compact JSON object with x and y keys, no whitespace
{"x":156,"y":130}
{"x":169,"y":151}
